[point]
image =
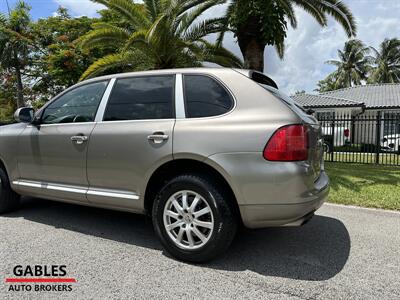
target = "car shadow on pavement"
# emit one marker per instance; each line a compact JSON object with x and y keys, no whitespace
{"x":316,"y":251}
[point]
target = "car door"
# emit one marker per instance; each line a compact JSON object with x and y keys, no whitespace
{"x":134,"y":138}
{"x":52,"y":155}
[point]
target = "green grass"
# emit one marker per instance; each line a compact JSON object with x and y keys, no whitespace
{"x":367,"y":158}
{"x":364,"y":185}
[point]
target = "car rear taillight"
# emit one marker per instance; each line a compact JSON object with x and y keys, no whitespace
{"x":346,"y":133}
{"x":289,"y":143}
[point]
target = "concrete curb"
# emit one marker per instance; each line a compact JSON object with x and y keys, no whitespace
{"x":364,"y":208}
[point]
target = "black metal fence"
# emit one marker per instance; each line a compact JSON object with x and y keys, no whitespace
{"x":368,"y":139}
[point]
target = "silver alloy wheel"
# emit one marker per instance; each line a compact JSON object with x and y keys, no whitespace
{"x":188,"y":220}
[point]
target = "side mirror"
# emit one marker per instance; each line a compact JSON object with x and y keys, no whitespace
{"x":24,"y":115}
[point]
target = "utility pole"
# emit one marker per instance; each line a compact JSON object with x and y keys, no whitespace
{"x":8,"y":8}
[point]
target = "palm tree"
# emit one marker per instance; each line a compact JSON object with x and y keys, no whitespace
{"x":160,"y":34}
{"x":386,"y":62}
{"x":353,"y":65}
{"x":14,"y":44}
{"x":258,"y":23}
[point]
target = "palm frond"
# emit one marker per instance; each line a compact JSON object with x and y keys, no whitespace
{"x":185,"y":6}
{"x":342,"y":14}
{"x":154,"y":27}
{"x":153,"y":8}
{"x":202,"y":29}
{"x":3,"y":19}
{"x":130,"y":11}
{"x":280,"y":49}
{"x":225,"y":24}
{"x":289,"y":11}
{"x":215,"y":52}
{"x":112,"y":61}
{"x":103,"y":38}
{"x":314,"y":9}
{"x":104,"y":25}
{"x":187,"y":19}
{"x":136,"y":37}
{"x":334,"y":62}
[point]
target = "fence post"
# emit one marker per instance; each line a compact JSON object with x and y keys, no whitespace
{"x":333,"y":138}
{"x":378,"y":137}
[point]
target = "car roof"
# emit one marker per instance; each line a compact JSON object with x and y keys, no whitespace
{"x":211,"y":71}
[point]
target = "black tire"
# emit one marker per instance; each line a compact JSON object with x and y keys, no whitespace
{"x":225,"y":219}
{"x":328,"y":147}
{"x":9,"y":200}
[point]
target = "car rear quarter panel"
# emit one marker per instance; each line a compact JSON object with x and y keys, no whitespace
{"x":247,"y":128}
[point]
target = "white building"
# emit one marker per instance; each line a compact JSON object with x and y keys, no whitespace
{"x":359,"y":108}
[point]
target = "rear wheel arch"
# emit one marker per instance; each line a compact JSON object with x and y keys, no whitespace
{"x":4,"y":168}
{"x":174,"y":168}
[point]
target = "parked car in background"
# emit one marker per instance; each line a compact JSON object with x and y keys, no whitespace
{"x":200,"y":150}
{"x":391,"y":143}
{"x":336,"y":136}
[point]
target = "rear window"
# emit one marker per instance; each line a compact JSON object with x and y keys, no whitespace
{"x":278,"y":94}
{"x":205,"y":97}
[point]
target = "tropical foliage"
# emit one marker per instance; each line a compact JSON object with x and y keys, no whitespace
{"x":59,"y":63}
{"x":353,"y":64}
{"x":156,"y":35}
{"x":386,"y":62}
{"x":39,"y":58}
{"x":15,"y":44}
{"x":258,"y":23}
{"x":359,"y":64}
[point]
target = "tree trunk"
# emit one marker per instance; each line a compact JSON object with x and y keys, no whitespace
{"x":253,"y":53}
{"x":251,"y":46}
{"x":20,"y":88}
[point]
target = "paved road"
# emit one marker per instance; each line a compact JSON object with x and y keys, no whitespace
{"x":343,"y":253}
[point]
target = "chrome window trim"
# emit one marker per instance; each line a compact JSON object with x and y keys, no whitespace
{"x":134,"y":121}
{"x":62,"y":124}
{"x":104,"y":101}
{"x":179,"y":97}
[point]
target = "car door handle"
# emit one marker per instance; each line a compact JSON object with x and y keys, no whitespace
{"x":158,"y":137}
{"x":79,"y":139}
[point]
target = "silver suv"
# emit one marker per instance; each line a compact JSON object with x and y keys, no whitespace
{"x":200,"y":150}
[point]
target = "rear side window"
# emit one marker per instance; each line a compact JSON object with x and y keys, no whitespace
{"x":139,"y":98}
{"x":205,"y":97}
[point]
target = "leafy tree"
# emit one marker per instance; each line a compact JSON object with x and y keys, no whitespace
{"x":386,"y":62}
{"x":258,"y":23}
{"x":59,"y":64}
{"x":15,"y":44}
{"x":300,"y":92}
{"x":353,"y":65}
{"x":157,"y":34}
{"x":7,"y":95}
{"x":327,"y":84}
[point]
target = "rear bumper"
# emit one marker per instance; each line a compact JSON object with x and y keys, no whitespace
{"x":272,"y":194}
{"x":268,"y":215}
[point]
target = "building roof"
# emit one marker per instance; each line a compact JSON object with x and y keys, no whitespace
{"x":319,"y":101}
{"x":372,"y":96}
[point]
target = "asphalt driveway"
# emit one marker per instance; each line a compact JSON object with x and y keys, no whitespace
{"x":343,"y":253}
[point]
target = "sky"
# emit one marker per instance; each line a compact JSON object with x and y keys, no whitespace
{"x":308,"y":46}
